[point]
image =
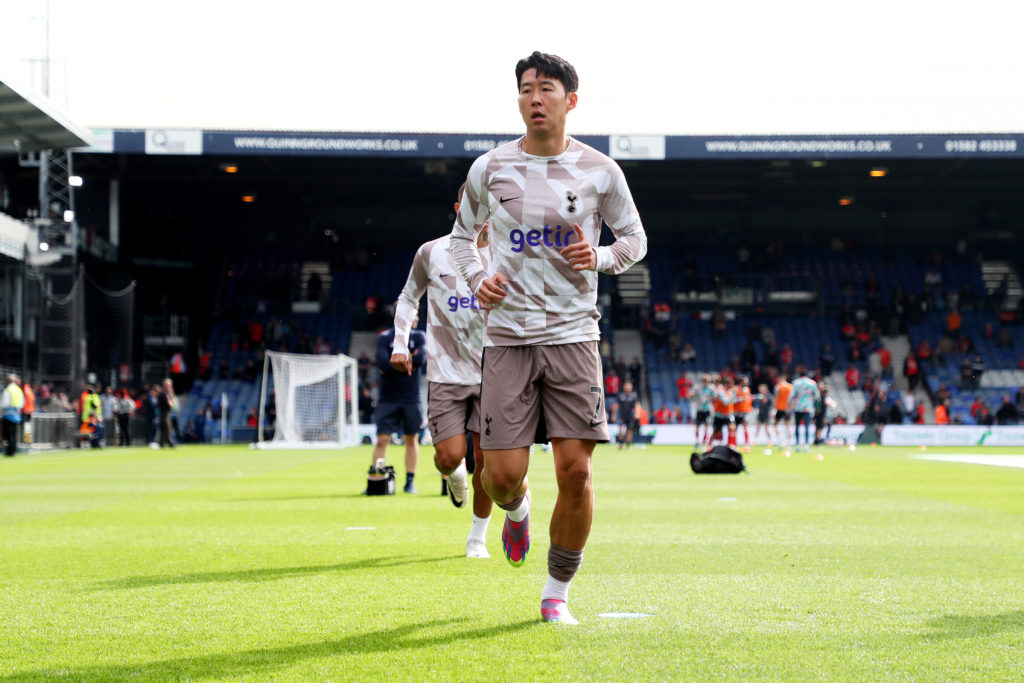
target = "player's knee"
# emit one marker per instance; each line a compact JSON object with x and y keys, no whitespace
{"x":447,"y":456}
{"x":575,"y":477}
{"x":498,"y":482}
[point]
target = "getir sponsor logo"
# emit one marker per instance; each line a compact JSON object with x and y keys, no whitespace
{"x":549,"y":237}
{"x":457,"y":302}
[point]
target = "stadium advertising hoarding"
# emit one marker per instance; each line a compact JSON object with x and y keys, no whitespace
{"x":952,"y":435}
{"x":892,"y":435}
{"x":623,"y":147}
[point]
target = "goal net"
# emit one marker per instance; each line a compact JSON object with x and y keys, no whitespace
{"x":315,"y":399}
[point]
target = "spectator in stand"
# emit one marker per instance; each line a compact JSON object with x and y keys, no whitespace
{"x":943,"y":349}
{"x":966,"y":375}
{"x":1020,"y":397}
{"x":662,"y":415}
{"x":718,"y":323}
{"x":689,"y":354}
{"x":635,"y":370}
{"x":204,"y":366}
{"x":856,"y":352}
{"x":612,"y":383}
{"x":985,"y":417}
{"x":1007,"y":413}
{"x":1004,"y":339}
{"x":253,"y":418}
{"x":953,"y":323}
{"x":976,"y":407}
{"x":964,"y":345}
{"x":875,"y":364}
{"x":786,"y":356}
{"x":943,"y":393}
{"x":748,"y":357}
{"x":852,"y":377}
{"x":909,"y":404}
{"x":620,"y":368}
{"x":767,"y":335}
{"x":885,"y":357}
{"x":771,"y":356}
{"x":942,"y":413}
{"x":977,"y":369}
{"x":924,"y":351}
{"x":911,"y":371}
{"x":677,"y":416}
{"x":826,"y":361}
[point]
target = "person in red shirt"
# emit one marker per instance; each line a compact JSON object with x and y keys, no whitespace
{"x":663,"y":415}
{"x":852,"y":377}
{"x":924,"y":350}
{"x":885,"y":356}
{"x":911,"y":372}
{"x":612,"y":384}
{"x":786,"y":355}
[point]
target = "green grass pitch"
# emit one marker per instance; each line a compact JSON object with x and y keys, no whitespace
{"x":222,"y":563}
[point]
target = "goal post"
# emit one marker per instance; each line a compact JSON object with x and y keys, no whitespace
{"x":316,"y":401}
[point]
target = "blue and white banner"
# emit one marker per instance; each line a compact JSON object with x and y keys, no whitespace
{"x":624,"y":147}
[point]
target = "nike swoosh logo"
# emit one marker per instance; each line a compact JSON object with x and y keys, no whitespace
{"x":595,"y":424}
{"x":503,"y":199}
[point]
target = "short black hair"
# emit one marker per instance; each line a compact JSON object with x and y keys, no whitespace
{"x":551,"y":66}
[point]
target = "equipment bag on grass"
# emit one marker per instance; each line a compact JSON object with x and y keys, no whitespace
{"x":718,"y":460}
{"x":380,"y":481}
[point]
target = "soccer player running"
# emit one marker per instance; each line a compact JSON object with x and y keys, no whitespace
{"x":805,"y":395}
{"x":455,"y":344}
{"x":545,"y":196}
{"x":705,"y":400}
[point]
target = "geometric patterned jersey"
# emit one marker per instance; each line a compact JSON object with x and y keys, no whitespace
{"x":455,"y":321}
{"x":531,"y":204}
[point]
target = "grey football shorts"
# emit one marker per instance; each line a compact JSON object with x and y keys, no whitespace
{"x":559,"y":386}
{"x":452,"y":410}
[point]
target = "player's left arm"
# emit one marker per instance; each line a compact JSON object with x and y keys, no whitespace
{"x":408,"y":303}
{"x":619,"y":212}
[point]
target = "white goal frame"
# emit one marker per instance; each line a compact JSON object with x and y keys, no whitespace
{"x":287,"y":435}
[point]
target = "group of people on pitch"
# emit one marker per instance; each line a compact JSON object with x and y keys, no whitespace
{"x":725,"y":405}
{"x":512,"y":334}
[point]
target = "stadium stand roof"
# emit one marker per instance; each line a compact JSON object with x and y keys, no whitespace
{"x":28,"y":123}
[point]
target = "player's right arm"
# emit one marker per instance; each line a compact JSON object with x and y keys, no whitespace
{"x":469,"y":221}
{"x":409,"y":303}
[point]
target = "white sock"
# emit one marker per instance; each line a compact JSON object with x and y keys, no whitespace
{"x":520,"y":513}
{"x":555,"y":590}
{"x":479,"y":530}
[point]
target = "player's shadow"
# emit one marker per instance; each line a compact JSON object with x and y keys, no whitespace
{"x":974,"y":626}
{"x":265,"y":661}
{"x":262,"y":574}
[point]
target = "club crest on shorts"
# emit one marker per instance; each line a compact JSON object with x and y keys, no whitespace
{"x":488,"y":421}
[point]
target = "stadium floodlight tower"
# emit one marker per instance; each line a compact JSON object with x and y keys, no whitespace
{"x":315,"y":401}
{"x":43,"y":138}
